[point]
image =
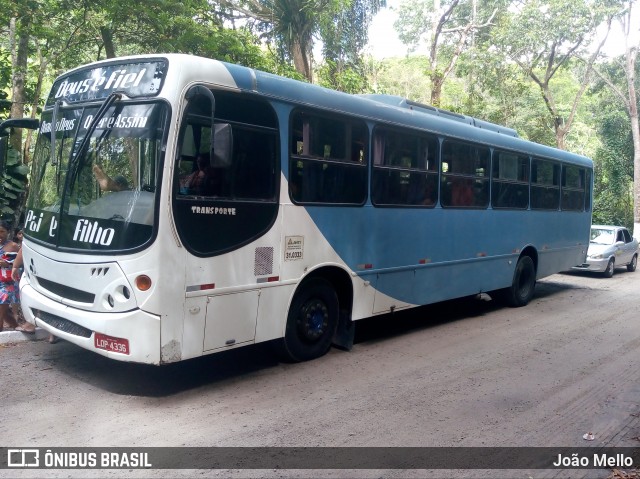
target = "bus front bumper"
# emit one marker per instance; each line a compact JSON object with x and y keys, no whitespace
{"x":133,"y":336}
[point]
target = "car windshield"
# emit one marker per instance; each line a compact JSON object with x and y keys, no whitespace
{"x":602,"y":236}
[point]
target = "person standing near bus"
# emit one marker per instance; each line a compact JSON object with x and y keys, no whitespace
{"x":18,"y":235}
{"x":16,"y":272}
{"x":9,"y":291}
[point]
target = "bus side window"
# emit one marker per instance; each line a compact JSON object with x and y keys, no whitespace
{"x":243,"y":165}
{"x":465,"y":170}
{"x":327,"y":161}
{"x":405,"y":168}
{"x":510,"y":181}
{"x":545,"y":185}
{"x":573,"y":188}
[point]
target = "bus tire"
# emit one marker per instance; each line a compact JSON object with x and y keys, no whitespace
{"x":311,"y":322}
{"x":523,"y":285}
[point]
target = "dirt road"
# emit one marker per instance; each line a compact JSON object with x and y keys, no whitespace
{"x":463,"y":373}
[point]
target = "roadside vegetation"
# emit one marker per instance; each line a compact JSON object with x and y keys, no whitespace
{"x":542,"y":67}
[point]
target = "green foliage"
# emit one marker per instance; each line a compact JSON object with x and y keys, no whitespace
{"x":403,"y":77}
{"x":344,"y":36}
{"x":614,"y":169}
{"x":5,"y":82}
{"x":613,"y":186}
{"x":13,"y":183}
{"x":350,"y":80}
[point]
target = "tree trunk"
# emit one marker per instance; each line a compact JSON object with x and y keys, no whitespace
{"x":635,"y":134}
{"x":561,"y":135}
{"x":436,"y":81}
{"x":34,"y":104}
{"x":436,"y":89}
{"x":19,"y":58}
{"x":107,"y":40}
{"x":560,"y":129}
{"x":301,"y":61}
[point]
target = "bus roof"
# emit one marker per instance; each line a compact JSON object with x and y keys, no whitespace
{"x":388,"y":109}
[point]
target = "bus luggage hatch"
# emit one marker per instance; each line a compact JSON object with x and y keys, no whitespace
{"x":231,"y":319}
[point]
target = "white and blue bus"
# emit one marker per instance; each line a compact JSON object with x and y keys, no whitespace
{"x":312,"y":209}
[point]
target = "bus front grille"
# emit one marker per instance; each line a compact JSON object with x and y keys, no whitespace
{"x":66,"y":291}
{"x":61,"y":324}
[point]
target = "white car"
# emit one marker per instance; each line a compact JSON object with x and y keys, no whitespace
{"x":610,"y":247}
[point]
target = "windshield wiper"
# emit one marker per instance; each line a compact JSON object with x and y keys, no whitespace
{"x":110,"y":100}
{"x":76,"y":160}
{"x":54,"y":118}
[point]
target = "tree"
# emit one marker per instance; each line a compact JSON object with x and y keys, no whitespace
{"x":629,"y":98}
{"x":402,"y":77}
{"x":542,"y":37}
{"x":290,"y":23}
{"x":613,"y":182}
{"x":448,"y":27}
{"x":18,"y":47}
{"x":344,"y":36}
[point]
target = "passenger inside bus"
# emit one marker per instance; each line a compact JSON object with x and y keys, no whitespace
{"x":200,"y":182}
{"x":462,"y":192}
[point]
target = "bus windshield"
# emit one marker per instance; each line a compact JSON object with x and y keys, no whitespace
{"x":99,"y":194}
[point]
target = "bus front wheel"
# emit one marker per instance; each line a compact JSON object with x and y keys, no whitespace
{"x":523,"y":285}
{"x":311,"y":323}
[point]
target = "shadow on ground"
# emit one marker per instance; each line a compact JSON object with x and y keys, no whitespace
{"x":218,"y":369}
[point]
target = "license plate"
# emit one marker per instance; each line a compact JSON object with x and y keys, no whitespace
{"x":109,"y":343}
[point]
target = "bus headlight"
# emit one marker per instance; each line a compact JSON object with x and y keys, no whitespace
{"x":143,"y":282}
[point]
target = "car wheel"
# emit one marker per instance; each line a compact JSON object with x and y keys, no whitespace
{"x":611,"y":266}
{"x":631,"y":267}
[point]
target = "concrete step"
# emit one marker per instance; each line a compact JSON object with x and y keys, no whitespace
{"x":18,"y":336}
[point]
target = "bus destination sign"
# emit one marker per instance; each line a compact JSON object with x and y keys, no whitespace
{"x":132,"y":79}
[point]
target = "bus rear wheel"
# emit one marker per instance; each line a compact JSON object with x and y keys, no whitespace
{"x":311,"y":323}
{"x":523,"y":285}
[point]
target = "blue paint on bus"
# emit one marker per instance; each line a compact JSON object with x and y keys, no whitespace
{"x":405,"y":249}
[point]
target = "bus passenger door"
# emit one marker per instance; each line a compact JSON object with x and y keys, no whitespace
{"x":230,"y":319}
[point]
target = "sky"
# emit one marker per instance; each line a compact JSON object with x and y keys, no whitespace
{"x":384,"y":42}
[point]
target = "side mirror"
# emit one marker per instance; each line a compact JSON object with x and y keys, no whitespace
{"x":5,"y":126}
{"x":199,"y":91}
{"x":222,"y":147}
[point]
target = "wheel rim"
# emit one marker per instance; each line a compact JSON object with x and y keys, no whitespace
{"x":313,"y":320}
{"x":610,"y":267}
